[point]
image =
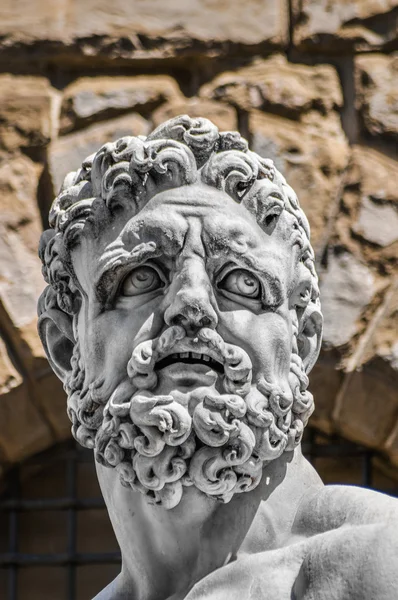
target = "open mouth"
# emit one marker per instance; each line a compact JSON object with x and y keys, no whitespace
{"x":190,"y":358}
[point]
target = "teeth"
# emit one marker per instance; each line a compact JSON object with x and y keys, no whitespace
{"x":184,"y":354}
{"x":196,"y":355}
{"x":205,"y":357}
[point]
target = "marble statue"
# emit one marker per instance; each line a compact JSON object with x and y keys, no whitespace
{"x":182,"y":314}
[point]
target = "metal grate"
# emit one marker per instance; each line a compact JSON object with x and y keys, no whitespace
{"x":13,"y":504}
{"x":318,"y":448}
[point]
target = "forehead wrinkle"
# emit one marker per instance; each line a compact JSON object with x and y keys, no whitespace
{"x":247,"y":250}
{"x":168,"y":231}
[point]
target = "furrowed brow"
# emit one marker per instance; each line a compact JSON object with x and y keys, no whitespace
{"x":117,"y":259}
{"x":274,"y":285}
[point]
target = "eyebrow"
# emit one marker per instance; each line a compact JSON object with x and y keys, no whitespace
{"x":115,"y":259}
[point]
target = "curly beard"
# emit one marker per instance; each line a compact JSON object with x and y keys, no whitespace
{"x":220,"y":443}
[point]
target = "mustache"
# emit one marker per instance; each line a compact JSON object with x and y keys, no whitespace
{"x":235,"y":361}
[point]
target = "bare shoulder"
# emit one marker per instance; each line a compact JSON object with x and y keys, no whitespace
{"x":333,"y":506}
{"x":352,"y":545}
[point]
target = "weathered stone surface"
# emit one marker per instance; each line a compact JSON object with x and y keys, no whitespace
{"x":23,"y":430}
{"x":275,"y":85}
{"x":346,"y":288}
{"x":342,"y":25}
{"x":370,"y":201}
{"x":19,"y":178}
{"x":28,"y":111}
{"x":377,"y":223}
{"x":377,"y":93}
{"x":368,"y":409}
{"x":20,"y":286}
{"x":223,"y":116}
{"x":68,"y":152}
{"x":96,"y":98}
{"x":20,"y":281}
{"x":375,"y":173}
{"x":141,"y":29}
{"x":311,"y":154}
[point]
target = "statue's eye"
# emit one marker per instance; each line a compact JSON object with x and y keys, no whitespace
{"x":242,"y":283}
{"x":141,"y":281}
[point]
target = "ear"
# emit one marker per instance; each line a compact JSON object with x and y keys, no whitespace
{"x":56,"y":334}
{"x":310,"y":336}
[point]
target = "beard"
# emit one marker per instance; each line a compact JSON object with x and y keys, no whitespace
{"x":218,"y":440}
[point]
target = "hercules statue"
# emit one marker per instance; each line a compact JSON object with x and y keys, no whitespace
{"x":182,"y":314}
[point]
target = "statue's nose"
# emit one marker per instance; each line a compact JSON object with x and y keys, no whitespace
{"x":191,"y":305}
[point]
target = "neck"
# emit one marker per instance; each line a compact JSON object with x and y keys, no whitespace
{"x":165,"y":552}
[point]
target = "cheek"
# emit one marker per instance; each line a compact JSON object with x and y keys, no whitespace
{"x":266,"y":338}
{"x":112,"y":337}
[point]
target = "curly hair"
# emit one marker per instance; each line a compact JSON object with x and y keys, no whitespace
{"x":127,"y":174}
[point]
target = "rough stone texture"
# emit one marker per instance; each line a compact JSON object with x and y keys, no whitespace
{"x":27,"y":111}
{"x":67,"y":152}
{"x":346,"y":287}
{"x":377,"y":223}
{"x":30,"y":415}
{"x":275,"y":85}
{"x":140,"y":29}
{"x":370,"y":385}
{"x":343,"y":25}
{"x":93,"y":99}
{"x":377,"y":97}
{"x":311,"y":154}
{"x":20,"y":282}
{"x":222,"y":116}
{"x":370,"y":186}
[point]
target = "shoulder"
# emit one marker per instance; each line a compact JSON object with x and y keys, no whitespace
{"x":352,"y":545}
{"x":359,"y":562}
{"x":333,"y":506}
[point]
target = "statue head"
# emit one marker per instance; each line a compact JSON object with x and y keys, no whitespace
{"x":182,"y":310}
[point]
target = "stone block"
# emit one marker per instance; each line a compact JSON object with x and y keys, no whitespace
{"x":343,"y":25}
{"x":311,"y":154}
{"x":377,"y":223}
{"x":376,"y":174}
{"x":368,"y":410}
{"x":346,"y":287}
{"x":19,"y":178}
{"x":28,"y":111}
{"x":21,"y":281}
{"x":23,"y":430}
{"x":223,"y":116}
{"x":275,"y":85}
{"x":97,"y":98}
{"x":67,"y":152}
{"x":370,"y":202}
{"x":377,"y":93}
{"x":99,"y":31}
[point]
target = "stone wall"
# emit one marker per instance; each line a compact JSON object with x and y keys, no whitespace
{"x":311,"y":83}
